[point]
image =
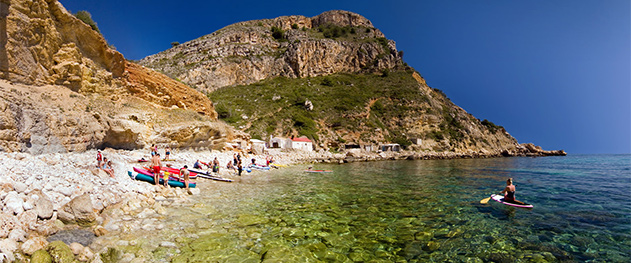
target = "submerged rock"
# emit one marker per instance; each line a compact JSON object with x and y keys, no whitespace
{"x":60,"y":252}
{"x":41,"y":256}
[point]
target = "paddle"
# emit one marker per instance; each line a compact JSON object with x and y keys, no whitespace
{"x":485,"y":200}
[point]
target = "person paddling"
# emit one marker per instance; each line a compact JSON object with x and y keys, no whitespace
{"x":509,"y":192}
{"x":156,"y":166}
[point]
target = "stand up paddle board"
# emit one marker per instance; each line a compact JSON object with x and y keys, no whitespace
{"x":500,"y":199}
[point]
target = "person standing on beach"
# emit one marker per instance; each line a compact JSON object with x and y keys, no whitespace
{"x":185,"y":173}
{"x":215,"y":165}
{"x":156,"y":166}
{"x":99,"y":158}
{"x":234,"y":159}
{"x":239,"y":168}
{"x":167,"y":152}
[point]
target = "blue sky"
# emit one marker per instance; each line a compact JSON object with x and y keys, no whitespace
{"x":554,"y":73}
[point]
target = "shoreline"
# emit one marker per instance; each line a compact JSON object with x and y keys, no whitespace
{"x":51,"y":193}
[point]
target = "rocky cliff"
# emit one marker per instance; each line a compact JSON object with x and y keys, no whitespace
{"x":64,"y":89}
{"x":289,"y":46}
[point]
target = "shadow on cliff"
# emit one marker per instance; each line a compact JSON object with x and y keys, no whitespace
{"x":4,"y":59}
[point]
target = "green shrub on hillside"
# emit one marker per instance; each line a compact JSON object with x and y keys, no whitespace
{"x":276,"y":106}
{"x":335,"y":31}
{"x":491,"y":126}
{"x":86,"y":17}
{"x":278,"y":33}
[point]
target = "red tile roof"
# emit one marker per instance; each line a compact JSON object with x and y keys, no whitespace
{"x":301,"y":139}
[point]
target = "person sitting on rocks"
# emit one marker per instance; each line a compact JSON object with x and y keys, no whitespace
{"x":253,"y":162}
{"x":107,"y":167}
{"x":230,"y":166}
{"x":103,"y":163}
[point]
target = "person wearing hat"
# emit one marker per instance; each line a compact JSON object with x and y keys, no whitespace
{"x":99,"y":158}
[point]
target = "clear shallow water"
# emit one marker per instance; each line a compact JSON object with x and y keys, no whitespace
{"x":407,"y":211}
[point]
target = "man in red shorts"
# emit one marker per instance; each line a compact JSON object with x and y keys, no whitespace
{"x":156,"y":165}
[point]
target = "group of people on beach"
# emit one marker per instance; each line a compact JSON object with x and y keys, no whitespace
{"x":104,"y":164}
{"x":156,"y":168}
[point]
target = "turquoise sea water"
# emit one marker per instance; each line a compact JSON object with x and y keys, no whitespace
{"x":413,"y":211}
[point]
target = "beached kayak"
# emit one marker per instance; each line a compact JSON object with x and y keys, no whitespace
{"x":147,"y":176}
{"x":500,"y":198}
{"x":259,"y":167}
{"x":175,"y":172}
{"x":208,"y":175}
{"x":318,"y":171}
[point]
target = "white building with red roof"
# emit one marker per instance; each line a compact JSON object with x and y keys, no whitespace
{"x":300,"y":143}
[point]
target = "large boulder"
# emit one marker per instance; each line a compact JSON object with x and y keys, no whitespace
{"x":33,"y":244}
{"x":79,"y":210}
{"x":43,"y":207}
{"x":13,"y":203}
{"x":8,"y":222}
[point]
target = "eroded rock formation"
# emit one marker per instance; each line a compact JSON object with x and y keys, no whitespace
{"x":65,"y":89}
{"x":289,"y":46}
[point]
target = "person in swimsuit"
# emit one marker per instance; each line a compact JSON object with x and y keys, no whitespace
{"x":215,"y":165}
{"x":156,"y":166}
{"x":167,"y":153}
{"x":185,"y":173}
{"x":107,"y":167}
{"x":509,"y":192}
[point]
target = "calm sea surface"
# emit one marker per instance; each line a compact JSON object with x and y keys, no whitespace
{"x":409,"y":211}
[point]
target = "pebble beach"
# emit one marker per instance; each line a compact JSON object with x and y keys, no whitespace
{"x":44,"y":195}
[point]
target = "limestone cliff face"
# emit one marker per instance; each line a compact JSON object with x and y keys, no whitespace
{"x":290,"y":46}
{"x":44,"y":44}
{"x":64,"y":89}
